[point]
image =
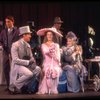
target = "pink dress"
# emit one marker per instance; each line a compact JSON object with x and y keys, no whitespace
{"x":51,"y":69}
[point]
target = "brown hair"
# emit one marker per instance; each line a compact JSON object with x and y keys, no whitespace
{"x":10,"y":18}
{"x":54,"y":37}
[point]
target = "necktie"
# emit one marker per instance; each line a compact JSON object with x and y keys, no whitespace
{"x":9,"y":31}
{"x":25,"y":48}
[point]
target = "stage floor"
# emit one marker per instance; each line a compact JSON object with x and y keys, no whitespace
{"x":88,"y":93}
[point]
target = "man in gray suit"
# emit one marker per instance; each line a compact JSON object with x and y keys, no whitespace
{"x":23,"y":66}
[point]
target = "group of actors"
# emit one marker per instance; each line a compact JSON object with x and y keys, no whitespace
{"x":20,"y":66}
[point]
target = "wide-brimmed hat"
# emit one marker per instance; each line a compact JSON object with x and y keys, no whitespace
{"x":42,"y":31}
{"x":58,"y":20}
{"x":71,"y":35}
{"x":24,"y":30}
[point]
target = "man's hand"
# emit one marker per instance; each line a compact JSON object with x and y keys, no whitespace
{"x":31,"y":61}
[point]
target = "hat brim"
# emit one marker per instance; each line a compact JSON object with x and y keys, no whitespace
{"x":42,"y":32}
{"x":59,"y":22}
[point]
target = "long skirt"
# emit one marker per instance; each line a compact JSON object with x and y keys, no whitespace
{"x":73,"y":81}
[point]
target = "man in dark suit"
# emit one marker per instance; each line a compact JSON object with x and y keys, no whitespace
{"x":7,"y":36}
{"x":57,"y":25}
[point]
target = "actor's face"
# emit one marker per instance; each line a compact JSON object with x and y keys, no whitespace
{"x":70,"y":42}
{"x":49,"y":36}
{"x":58,"y":25}
{"x":9,"y":23}
{"x":27,"y":37}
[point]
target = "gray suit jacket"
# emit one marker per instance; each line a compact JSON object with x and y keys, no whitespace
{"x":18,"y":51}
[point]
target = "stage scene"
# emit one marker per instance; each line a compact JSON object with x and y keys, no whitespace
{"x":49,"y":50}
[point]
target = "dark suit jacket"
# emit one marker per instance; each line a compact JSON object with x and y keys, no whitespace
{"x":14,"y":36}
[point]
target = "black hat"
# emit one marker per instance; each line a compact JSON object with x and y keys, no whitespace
{"x":58,"y":20}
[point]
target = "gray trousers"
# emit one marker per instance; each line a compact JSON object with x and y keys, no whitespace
{"x":24,"y":74}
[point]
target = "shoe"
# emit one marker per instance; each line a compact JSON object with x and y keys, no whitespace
{"x":53,"y":92}
{"x":17,"y":91}
{"x":14,"y":90}
{"x":11,"y":87}
{"x":7,"y":89}
{"x":39,"y":93}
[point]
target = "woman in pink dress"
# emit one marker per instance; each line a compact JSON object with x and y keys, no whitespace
{"x":51,"y":62}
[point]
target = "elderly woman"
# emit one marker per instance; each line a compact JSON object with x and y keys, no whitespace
{"x":72,"y":63}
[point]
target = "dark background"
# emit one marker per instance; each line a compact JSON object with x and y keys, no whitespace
{"x":76,"y":15}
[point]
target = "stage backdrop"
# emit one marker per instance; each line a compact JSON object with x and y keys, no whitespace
{"x":76,"y":15}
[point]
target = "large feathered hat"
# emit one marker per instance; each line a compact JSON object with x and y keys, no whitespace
{"x":42,"y":31}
